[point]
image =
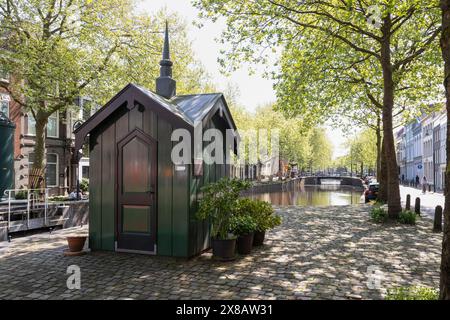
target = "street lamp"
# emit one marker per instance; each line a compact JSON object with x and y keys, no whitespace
{"x":77,"y":159}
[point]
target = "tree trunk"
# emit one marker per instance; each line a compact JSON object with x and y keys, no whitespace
{"x":394,"y":205}
{"x":362,"y":169}
{"x":444,"y":285}
{"x":382,"y":177}
{"x":39,"y":148}
{"x":378,"y":133}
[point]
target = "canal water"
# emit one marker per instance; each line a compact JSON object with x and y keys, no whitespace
{"x":323,"y":195}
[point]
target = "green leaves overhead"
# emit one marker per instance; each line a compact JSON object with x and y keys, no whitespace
{"x":298,"y":143}
{"x":331,"y":51}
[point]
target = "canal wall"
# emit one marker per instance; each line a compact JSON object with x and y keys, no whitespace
{"x":293,"y":184}
{"x":274,"y":186}
{"x":344,"y":181}
{"x":67,"y":215}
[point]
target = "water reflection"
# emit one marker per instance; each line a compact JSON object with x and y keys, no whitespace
{"x":323,"y":195}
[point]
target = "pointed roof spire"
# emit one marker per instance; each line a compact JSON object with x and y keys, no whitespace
{"x":165,"y":85}
{"x":165,"y":63}
{"x":166,"y":51}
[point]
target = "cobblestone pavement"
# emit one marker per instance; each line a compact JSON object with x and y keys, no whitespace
{"x":317,"y":253}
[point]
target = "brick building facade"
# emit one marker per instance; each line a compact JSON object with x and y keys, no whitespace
{"x":61,"y":175}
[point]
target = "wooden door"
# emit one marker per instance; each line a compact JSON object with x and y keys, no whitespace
{"x":136,"y":193}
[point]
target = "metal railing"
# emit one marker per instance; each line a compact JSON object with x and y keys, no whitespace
{"x":33,"y":197}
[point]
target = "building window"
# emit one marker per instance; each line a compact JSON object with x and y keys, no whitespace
{"x":4,"y":76}
{"x":4,"y":104}
{"x":51,"y":169}
{"x":85,"y":172}
{"x":52,"y":125}
{"x":87,"y":108}
{"x":31,"y":125}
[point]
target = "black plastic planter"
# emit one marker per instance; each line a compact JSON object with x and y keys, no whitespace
{"x":245,"y":243}
{"x":258,"y":238}
{"x":224,"y":249}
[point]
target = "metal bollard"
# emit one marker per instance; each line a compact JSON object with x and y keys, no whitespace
{"x":417,"y":206}
{"x":437,"y":227}
{"x":408,"y":202}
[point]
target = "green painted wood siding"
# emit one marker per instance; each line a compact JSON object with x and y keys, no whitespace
{"x":108,"y":180}
{"x":165,"y":174}
{"x":102,"y":180}
{"x":199,"y":231}
{"x":179,"y":233}
{"x":95,"y":192}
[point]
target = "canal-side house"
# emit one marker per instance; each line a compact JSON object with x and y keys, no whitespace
{"x":439,"y":134}
{"x":401,"y":153}
{"x":427,"y":147}
{"x":60,"y":175}
{"x":409,"y":146}
{"x":417,"y":149}
{"x":140,"y":199}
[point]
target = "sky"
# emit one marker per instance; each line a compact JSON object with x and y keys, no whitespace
{"x":254,"y":89}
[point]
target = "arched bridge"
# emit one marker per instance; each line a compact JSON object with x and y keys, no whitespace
{"x":344,"y":181}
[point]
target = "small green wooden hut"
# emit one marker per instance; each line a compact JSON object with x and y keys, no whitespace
{"x":139,"y":200}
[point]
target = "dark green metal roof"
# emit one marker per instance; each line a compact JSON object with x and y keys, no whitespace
{"x":166,"y":104}
{"x":196,"y":106}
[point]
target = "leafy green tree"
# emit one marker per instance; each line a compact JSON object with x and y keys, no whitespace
{"x":297,"y":143}
{"x":363,"y":150}
{"x":57,"y":50}
{"x":321,"y":150}
{"x":404,"y":31}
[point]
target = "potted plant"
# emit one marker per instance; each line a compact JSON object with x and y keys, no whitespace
{"x":265,"y":219}
{"x":217,"y":204}
{"x":243,"y":226}
{"x":76,"y":244}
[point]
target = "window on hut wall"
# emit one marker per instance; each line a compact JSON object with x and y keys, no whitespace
{"x":4,"y":104}
{"x":52,"y":125}
{"x":51,"y":169}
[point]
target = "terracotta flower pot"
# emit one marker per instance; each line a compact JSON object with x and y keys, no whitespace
{"x":224,"y":249}
{"x":258,"y":238}
{"x":76,"y":243}
{"x":245,"y":243}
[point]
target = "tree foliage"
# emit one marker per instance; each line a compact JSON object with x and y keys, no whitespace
{"x":386,"y":38}
{"x":297,"y":143}
{"x":57,"y":50}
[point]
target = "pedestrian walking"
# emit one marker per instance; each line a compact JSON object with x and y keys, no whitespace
{"x":417,"y":181}
{"x":424,"y":185}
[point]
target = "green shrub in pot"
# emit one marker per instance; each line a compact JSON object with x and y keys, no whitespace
{"x":265,"y":220}
{"x":218,"y":204}
{"x":264,"y":216}
{"x":243,"y":225}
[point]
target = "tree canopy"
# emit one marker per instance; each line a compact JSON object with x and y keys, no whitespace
{"x":57,"y":50}
{"x":385,"y":40}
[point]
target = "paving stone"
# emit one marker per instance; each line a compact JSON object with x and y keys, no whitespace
{"x":317,"y":253}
